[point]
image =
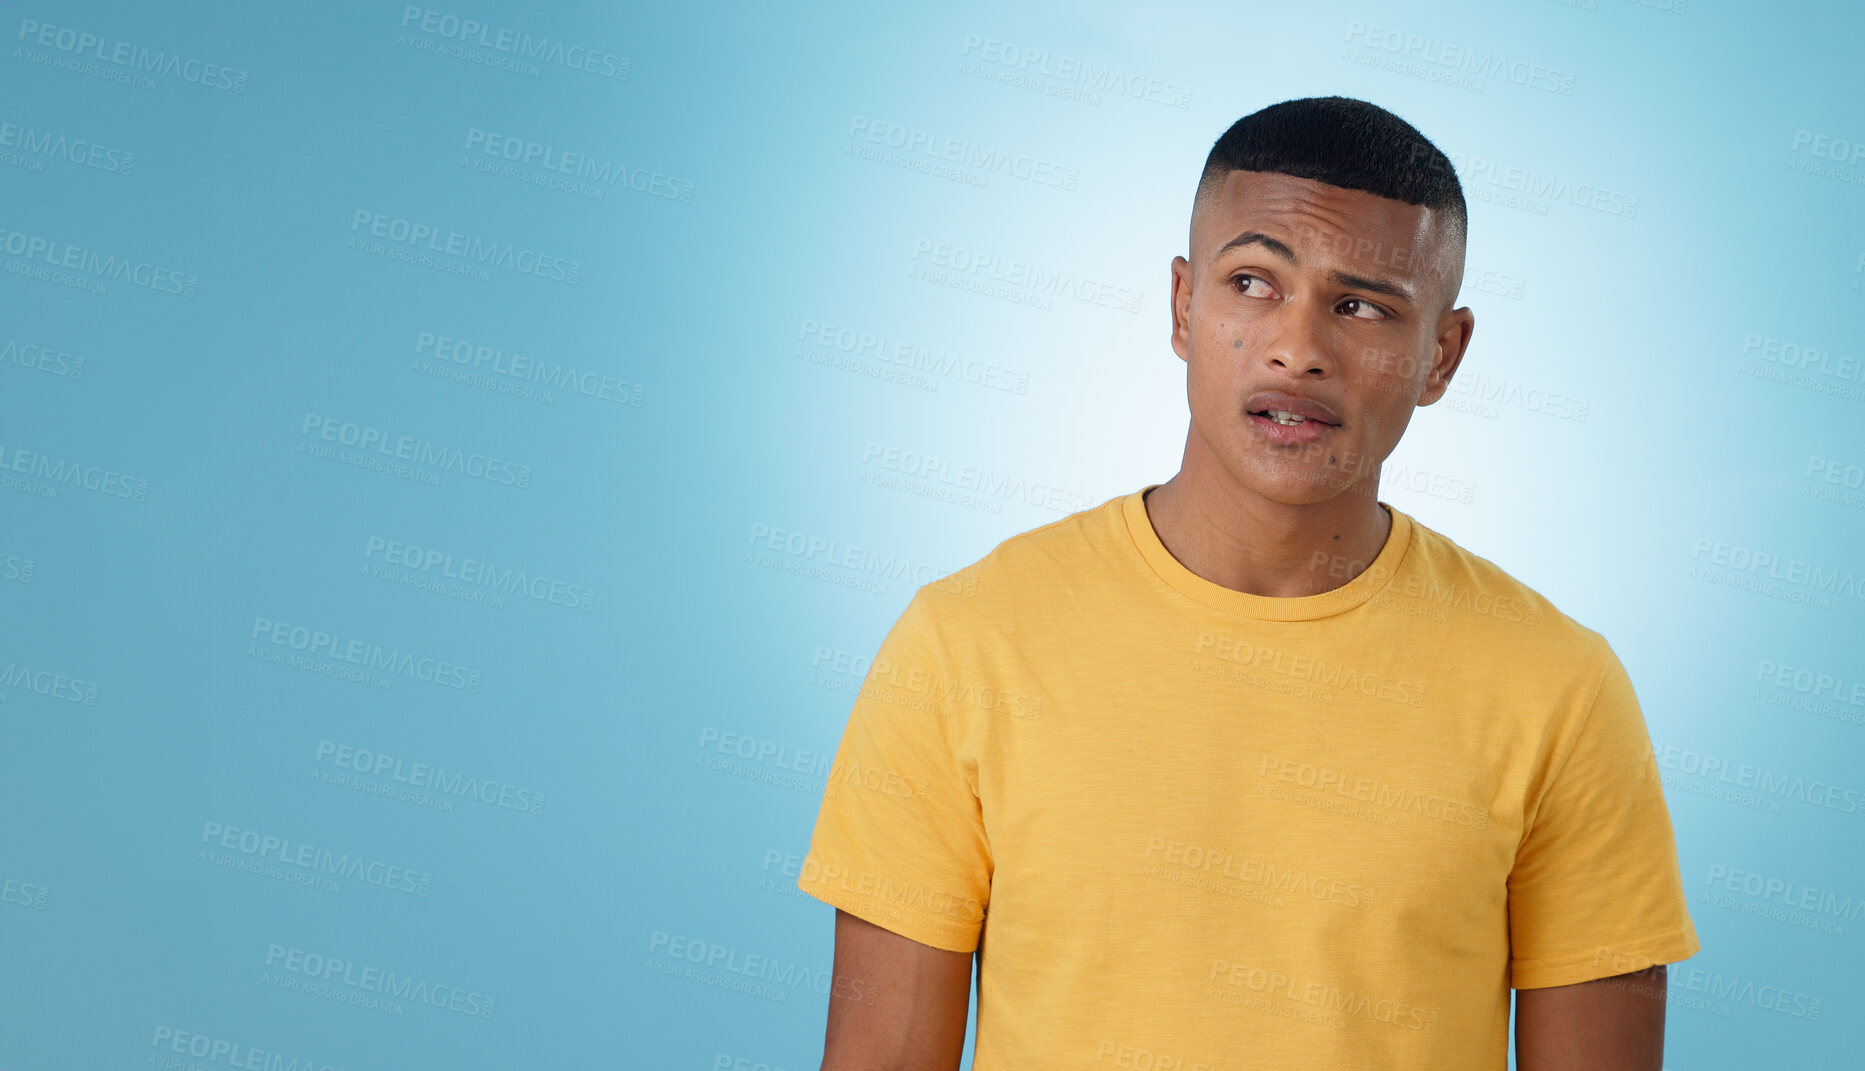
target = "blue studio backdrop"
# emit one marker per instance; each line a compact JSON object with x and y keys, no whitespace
{"x":456,"y":462}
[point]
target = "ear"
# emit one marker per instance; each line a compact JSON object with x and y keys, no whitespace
{"x":1182,"y":308}
{"x":1454,"y":330}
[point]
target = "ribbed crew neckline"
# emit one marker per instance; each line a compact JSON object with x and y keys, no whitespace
{"x":1154,"y":555}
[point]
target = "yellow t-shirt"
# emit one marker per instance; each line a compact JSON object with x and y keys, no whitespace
{"x":1188,"y":827}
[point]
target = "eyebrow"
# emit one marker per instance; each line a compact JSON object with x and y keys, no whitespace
{"x":1357,"y":282}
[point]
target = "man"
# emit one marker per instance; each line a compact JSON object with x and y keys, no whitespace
{"x":1250,"y":769}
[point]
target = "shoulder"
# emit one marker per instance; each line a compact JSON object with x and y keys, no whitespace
{"x":1040,"y":571}
{"x":1480,"y":600}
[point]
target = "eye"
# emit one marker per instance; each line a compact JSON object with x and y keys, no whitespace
{"x":1379,"y":313}
{"x":1242,"y":281}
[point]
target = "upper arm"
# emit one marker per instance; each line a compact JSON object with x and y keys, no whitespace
{"x":1608,"y":1024}
{"x":900,"y":838}
{"x":894,"y":1004}
{"x":1596,"y":889}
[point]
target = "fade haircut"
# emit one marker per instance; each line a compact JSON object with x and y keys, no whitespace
{"x":1347,"y":143}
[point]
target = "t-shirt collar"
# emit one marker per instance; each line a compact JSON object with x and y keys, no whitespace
{"x":1155,"y":557}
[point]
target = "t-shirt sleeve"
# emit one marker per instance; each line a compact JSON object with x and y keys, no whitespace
{"x":1596,"y":889}
{"x":900,"y":839}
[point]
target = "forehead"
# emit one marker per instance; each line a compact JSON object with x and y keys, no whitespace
{"x":1325,"y":225}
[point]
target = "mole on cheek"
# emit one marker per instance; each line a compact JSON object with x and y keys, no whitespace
{"x":1236,"y":344}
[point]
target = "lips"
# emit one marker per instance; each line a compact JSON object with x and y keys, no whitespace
{"x":1270,"y":403}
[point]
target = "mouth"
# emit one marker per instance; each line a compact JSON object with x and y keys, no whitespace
{"x":1277,"y":409}
{"x":1288,"y":419}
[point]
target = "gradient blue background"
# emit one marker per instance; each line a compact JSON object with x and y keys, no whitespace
{"x":115,"y":927}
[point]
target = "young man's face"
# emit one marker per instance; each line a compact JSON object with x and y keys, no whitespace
{"x":1327,"y":302}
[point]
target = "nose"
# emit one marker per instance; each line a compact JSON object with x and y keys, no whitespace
{"x":1299,"y":346}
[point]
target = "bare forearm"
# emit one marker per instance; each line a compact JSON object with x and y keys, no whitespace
{"x":1609,"y":1024}
{"x":894,"y":1005}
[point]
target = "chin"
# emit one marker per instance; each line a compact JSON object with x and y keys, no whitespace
{"x":1290,"y":491}
{"x":1298,"y":480}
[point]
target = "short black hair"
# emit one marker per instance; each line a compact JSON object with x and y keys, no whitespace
{"x":1343,"y":142}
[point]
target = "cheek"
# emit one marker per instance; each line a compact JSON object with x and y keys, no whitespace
{"x":1221,"y":335}
{"x":1227,"y":349}
{"x":1391,"y":377}
{"x":1216,"y":383}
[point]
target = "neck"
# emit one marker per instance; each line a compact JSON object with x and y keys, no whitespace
{"x":1234,"y":537}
